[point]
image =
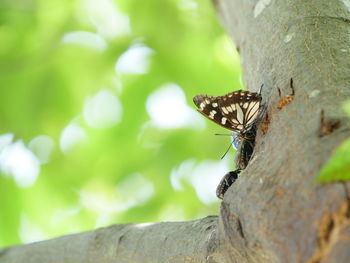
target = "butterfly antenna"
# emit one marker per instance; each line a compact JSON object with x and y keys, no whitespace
{"x":223,"y":134}
{"x":262,"y":85}
{"x":226,"y":151}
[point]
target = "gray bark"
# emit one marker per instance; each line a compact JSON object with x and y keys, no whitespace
{"x":283,"y":212}
{"x":274,"y":212}
{"x":158,"y":242}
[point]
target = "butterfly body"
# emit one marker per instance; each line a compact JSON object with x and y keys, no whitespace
{"x":245,"y":149}
{"x":244,"y":145}
{"x":226,"y":182}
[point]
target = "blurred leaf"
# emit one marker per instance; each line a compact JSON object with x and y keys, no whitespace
{"x":338,"y":166}
{"x":10,"y":211}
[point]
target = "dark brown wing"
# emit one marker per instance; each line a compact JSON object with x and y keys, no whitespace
{"x":209,"y":107}
{"x":240,"y":108}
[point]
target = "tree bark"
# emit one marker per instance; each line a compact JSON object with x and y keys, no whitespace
{"x":131,"y":243}
{"x":285,"y":216}
{"x":274,"y":212}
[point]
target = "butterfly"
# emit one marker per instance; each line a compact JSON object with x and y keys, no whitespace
{"x":235,"y":111}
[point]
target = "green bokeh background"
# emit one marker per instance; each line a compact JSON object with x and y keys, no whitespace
{"x":44,"y":83}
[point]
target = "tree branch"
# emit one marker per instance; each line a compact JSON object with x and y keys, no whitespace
{"x":158,"y":242}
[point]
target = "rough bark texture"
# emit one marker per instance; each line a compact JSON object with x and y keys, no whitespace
{"x":284,"y":215}
{"x":131,"y":243}
{"x":274,"y":212}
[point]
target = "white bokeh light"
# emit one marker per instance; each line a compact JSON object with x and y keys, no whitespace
{"x":103,"y":110}
{"x":188,"y":5}
{"x":64,"y":215}
{"x":42,"y":147}
{"x":168,"y":109}
{"x":20,"y":163}
{"x":135,"y":60}
{"x":178,"y":174}
{"x":204,"y":177}
{"x":29,"y":232}
{"x":71,"y":136}
{"x":106,"y":17}
{"x":86,"y":39}
{"x":5,"y":140}
{"x":135,"y":190}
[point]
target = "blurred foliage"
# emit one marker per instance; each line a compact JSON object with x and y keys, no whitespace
{"x":337,"y":167}
{"x":119,"y":173}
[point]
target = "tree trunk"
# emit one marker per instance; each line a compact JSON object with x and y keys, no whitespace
{"x":285,"y":216}
{"x":274,"y":212}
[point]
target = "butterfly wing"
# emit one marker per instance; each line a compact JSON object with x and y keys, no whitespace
{"x":235,"y":111}
{"x":209,"y":107}
{"x":240,"y":108}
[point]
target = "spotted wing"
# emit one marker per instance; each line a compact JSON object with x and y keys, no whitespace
{"x":240,"y":108}
{"x":209,"y":107}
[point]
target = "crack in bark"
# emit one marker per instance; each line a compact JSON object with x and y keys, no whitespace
{"x":124,"y":232}
{"x":212,"y":247}
{"x":327,"y":126}
{"x":286,"y":99}
{"x":342,"y":19}
{"x":347,"y":195}
{"x":329,"y":230}
{"x":240,"y":228}
{"x":265,"y":124}
{"x":232,"y":224}
{"x":306,"y":18}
